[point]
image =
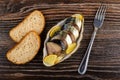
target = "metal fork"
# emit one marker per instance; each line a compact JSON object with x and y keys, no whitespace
{"x":98,"y":21}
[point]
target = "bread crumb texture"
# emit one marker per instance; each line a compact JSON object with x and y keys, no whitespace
{"x":34,"y":22}
{"x":26,"y":50}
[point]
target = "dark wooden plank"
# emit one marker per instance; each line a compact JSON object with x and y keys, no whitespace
{"x":104,"y":61}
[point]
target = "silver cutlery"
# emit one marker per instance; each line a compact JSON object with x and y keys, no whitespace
{"x":98,"y":22}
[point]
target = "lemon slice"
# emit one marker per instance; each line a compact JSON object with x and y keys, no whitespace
{"x":59,"y":58}
{"x":54,"y":29}
{"x":70,"y":48}
{"x":50,"y":59}
{"x":78,"y":16}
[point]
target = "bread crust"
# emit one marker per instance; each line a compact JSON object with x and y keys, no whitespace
{"x":39,"y":41}
{"x":42,"y":28}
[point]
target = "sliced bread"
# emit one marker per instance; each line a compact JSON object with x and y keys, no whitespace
{"x":34,"y":22}
{"x":25,"y":50}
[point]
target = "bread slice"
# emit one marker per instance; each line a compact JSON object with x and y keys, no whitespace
{"x":34,"y":22}
{"x":26,"y":50}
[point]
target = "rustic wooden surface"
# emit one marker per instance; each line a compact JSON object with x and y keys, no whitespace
{"x":104,"y":61}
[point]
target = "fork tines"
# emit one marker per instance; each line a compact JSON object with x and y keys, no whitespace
{"x":100,"y":15}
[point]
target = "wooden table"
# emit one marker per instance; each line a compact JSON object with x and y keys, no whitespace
{"x":104,"y":63}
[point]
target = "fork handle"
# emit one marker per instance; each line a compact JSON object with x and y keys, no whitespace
{"x":84,"y":63}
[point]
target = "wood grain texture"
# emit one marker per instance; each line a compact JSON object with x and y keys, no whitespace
{"x":104,"y":61}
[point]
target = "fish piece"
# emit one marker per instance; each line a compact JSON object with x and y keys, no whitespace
{"x":62,"y":43}
{"x":53,"y":48}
